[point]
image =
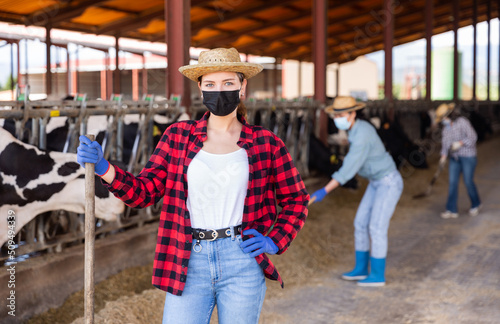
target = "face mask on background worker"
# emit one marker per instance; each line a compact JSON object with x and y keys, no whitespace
{"x":342,"y":123}
{"x":221,"y":103}
{"x":446,"y":122}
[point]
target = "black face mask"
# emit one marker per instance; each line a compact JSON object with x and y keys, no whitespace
{"x":221,"y":103}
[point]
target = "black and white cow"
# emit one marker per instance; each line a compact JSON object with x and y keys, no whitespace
{"x":33,"y":182}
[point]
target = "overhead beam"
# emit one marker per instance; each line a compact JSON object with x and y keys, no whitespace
{"x":131,"y":23}
{"x":429,"y":24}
{"x":59,"y":13}
{"x":236,"y":13}
{"x":388,"y":45}
{"x":233,"y":36}
{"x":441,"y":24}
{"x":349,"y":49}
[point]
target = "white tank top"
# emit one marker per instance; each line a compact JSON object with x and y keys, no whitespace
{"x":217,"y":187}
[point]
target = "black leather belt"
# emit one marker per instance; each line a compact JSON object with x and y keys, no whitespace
{"x":212,"y":235}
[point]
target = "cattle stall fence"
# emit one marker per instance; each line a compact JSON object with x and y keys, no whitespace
{"x":53,"y":230}
{"x":290,"y":120}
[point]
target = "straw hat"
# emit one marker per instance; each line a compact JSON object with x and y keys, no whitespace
{"x":217,"y":60}
{"x":443,"y":110}
{"x":343,"y":104}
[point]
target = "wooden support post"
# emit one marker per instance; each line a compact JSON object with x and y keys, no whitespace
{"x":89,"y":239}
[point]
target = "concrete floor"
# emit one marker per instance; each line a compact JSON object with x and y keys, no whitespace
{"x":438,"y":271}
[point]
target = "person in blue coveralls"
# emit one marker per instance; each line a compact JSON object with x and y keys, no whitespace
{"x":367,"y":157}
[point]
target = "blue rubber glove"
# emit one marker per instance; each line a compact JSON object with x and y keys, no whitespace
{"x":318,"y":195}
{"x":91,"y":152}
{"x":258,"y":244}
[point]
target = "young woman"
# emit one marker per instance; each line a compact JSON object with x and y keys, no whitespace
{"x":367,"y":157}
{"x":220,"y":179}
{"x":459,"y":142}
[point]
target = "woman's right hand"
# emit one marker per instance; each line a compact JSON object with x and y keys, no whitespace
{"x":91,"y":152}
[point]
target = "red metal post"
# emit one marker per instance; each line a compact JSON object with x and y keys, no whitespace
{"x":109,"y":76}
{"x":144,"y":76}
{"x":48,"y":74}
{"x":104,"y":91}
{"x":68,"y":71}
{"x":275,"y":79}
{"x":26,"y":62}
{"x":12,"y":69}
{"x":488,"y":55}
{"x":474,"y":50}
{"x":456,"y":18}
{"x":135,"y":84}
{"x":320,"y":9}
{"x":388,"y":44}
{"x":429,"y":24}
{"x":178,"y":39}
{"x":18,"y":63}
{"x":299,"y":77}
{"x":116,"y":78}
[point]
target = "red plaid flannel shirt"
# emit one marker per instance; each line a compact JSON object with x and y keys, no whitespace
{"x":272,"y":178}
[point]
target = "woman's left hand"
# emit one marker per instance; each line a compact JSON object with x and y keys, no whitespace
{"x":258,"y":244}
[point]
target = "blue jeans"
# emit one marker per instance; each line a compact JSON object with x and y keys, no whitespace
{"x":220,"y":274}
{"x":467,"y":166}
{"x":375,"y":212}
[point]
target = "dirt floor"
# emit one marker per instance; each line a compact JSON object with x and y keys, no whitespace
{"x":438,"y":271}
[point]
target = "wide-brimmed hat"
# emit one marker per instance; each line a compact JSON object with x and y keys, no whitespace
{"x":344,"y":104}
{"x":443,"y":110}
{"x":220,"y":60}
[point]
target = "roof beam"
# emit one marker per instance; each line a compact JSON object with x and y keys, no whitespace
{"x":237,"y":13}
{"x":400,"y":31}
{"x":11,"y":17}
{"x":441,"y":24}
{"x":232,"y":37}
{"x":135,"y":22}
{"x":59,"y":12}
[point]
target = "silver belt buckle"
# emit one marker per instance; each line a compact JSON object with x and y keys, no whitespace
{"x":215,"y":234}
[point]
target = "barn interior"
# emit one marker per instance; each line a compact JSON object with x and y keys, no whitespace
{"x":440,"y":271}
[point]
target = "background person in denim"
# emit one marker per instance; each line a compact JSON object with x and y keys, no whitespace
{"x":221,"y":180}
{"x":459,"y":143}
{"x":368,"y":158}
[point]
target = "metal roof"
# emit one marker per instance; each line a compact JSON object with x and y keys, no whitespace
{"x":276,"y":28}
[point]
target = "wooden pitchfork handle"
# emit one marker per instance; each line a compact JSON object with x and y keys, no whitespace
{"x":89,"y":239}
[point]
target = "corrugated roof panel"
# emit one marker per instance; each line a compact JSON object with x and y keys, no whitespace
{"x":205,"y":33}
{"x":273,"y":13}
{"x":271,"y":31}
{"x":235,"y":24}
{"x":134,"y":5}
{"x":244,"y":40}
{"x":299,"y":38}
{"x":155,"y":26}
{"x":198,"y":13}
{"x":25,"y":7}
{"x":305,"y":22}
{"x":97,"y":16}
